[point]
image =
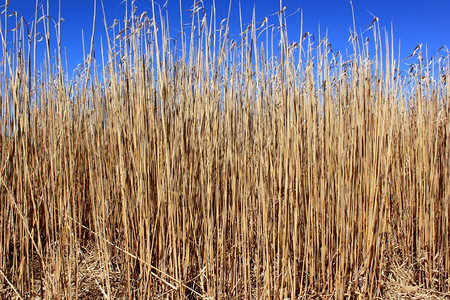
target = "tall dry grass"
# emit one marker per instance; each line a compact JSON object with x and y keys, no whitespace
{"x":240,"y":168}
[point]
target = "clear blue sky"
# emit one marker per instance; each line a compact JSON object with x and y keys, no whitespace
{"x":414,"y":21}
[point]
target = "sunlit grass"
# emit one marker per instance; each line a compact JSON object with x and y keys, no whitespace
{"x":235,"y":170}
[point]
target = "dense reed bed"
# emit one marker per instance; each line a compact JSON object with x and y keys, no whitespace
{"x":237,"y":167}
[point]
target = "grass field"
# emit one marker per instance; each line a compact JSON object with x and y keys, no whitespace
{"x":234,"y":170}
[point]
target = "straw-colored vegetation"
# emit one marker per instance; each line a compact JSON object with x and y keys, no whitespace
{"x":219,"y":166}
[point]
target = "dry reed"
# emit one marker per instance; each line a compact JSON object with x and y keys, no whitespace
{"x":240,"y":169}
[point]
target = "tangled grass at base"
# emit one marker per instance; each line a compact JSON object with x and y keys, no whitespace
{"x":234,"y":170}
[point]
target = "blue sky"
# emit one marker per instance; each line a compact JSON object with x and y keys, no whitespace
{"x":414,"y":21}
